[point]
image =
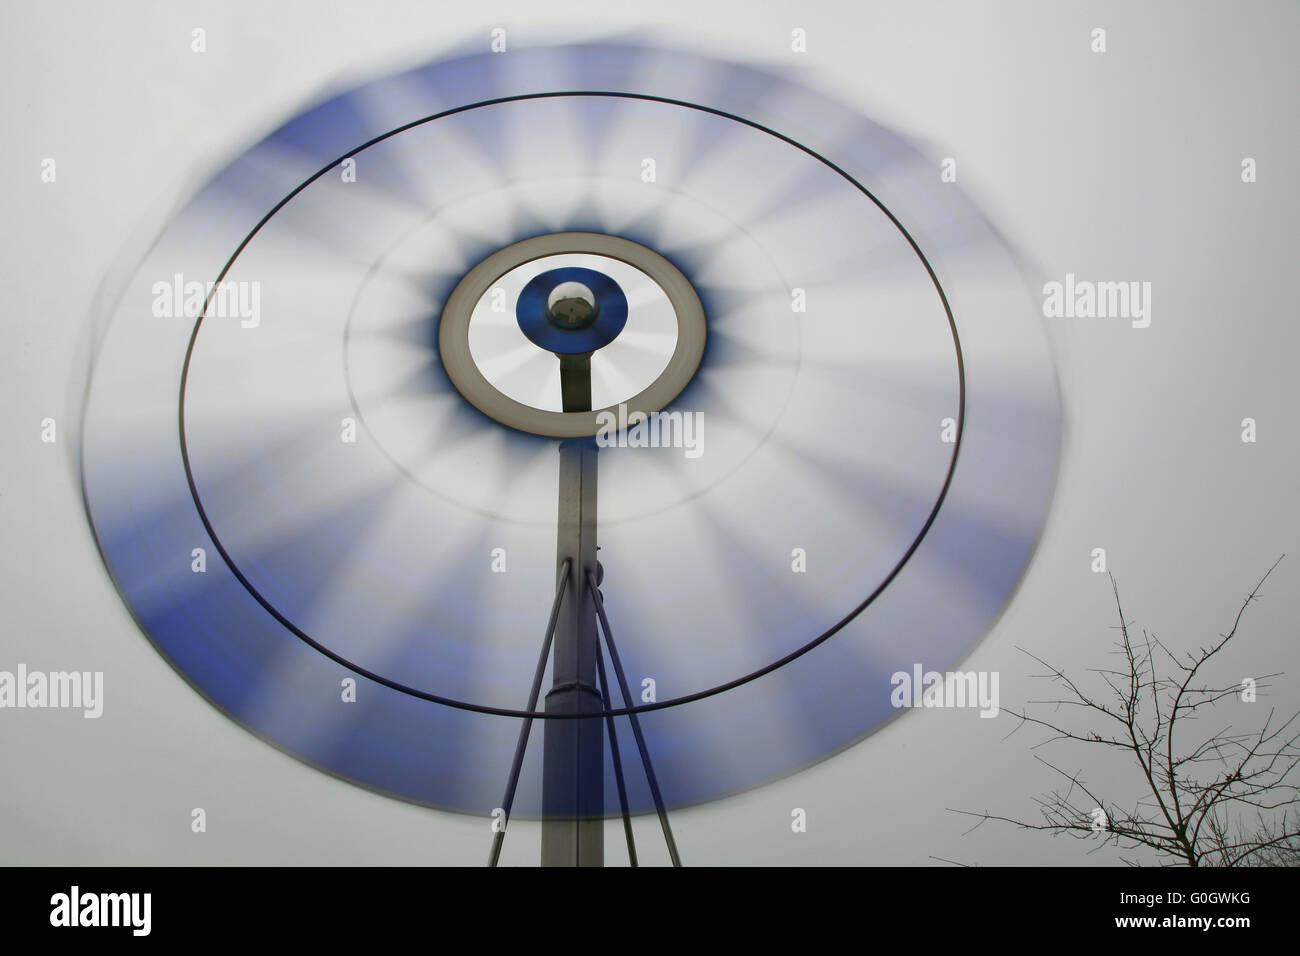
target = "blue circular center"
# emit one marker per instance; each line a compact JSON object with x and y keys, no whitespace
{"x":556,"y":333}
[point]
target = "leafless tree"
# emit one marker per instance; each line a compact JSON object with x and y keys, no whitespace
{"x":1227,"y":798}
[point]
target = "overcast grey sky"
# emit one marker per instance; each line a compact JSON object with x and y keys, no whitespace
{"x":1120,"y":166}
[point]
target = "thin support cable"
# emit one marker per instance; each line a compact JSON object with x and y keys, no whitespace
{"x":499,"y":837}
{"x":632,"y":719}
{"x":618,"y":761}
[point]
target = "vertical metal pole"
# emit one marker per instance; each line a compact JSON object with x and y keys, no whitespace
{"x":573,"y":778}
{"x":575,"y":382}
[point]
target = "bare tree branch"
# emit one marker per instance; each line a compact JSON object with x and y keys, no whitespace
{"x":1197,"y":794}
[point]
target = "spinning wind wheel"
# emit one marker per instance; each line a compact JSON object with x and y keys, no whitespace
{"x":459,"y":328}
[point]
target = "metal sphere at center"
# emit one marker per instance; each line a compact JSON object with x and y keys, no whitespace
{"x":571,"y":305}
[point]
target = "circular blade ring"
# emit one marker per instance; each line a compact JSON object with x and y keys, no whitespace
{"x":362,"y":574}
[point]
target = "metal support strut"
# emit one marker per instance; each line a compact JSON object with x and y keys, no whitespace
{"x":522,"y":745}
{"x":651,"y":779}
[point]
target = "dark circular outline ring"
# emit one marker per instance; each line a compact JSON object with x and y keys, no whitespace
{"x":473,"y":386}
{"x":612,"y":712}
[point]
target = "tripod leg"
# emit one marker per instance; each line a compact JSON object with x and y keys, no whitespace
{"x":616,"y":758}
{"x":522,"y":745}
{"x":632,"y":719}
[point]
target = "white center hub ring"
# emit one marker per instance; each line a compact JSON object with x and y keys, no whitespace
{"x":453,"y":332}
